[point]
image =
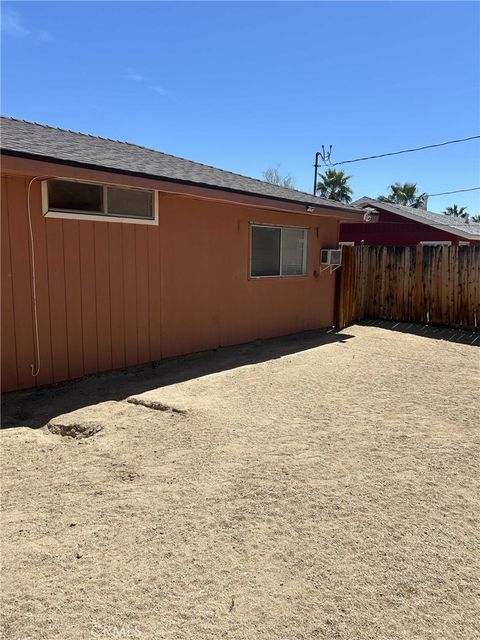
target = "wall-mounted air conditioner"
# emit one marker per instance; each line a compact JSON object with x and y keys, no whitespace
{"x":331,"y":257}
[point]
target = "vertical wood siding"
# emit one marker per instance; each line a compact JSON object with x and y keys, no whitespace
{"x":112,"y":295}
{"x":431,"y":284}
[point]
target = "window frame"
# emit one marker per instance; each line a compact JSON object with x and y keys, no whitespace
{"x":72,"y":214}
{"x":281,"y":227}
{"x":436,"y":243}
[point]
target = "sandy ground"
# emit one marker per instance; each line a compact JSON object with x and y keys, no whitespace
{"x":329,"y":488}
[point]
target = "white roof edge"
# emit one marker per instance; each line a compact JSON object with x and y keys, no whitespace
{"x":371,"y":202}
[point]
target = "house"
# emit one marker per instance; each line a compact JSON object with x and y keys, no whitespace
{"x":400,"y":225}
{"x":116,"y":255}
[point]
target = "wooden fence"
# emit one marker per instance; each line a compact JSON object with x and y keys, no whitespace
{"x":429,"y":284}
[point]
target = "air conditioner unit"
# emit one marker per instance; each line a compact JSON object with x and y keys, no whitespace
{"x":331,"y":257}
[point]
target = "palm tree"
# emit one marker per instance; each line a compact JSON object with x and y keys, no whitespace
{"x":333,"y":185}
{"x":405,"y":194}
{"x":457,"y":212}
{"x":475,"y":219}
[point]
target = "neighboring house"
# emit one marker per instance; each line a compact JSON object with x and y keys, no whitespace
{"x":116,"y":255}
{"x":400,"y":225}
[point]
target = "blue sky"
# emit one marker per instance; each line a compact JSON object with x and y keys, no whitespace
{"x":249,"y":85}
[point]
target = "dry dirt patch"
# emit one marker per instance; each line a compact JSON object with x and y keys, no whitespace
{"x":329,"y":493}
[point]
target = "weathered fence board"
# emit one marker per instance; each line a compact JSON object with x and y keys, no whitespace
{"x":430,"y":284}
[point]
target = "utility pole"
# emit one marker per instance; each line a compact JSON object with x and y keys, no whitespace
{"x":317,"y":155}
{"x":325,"y":156}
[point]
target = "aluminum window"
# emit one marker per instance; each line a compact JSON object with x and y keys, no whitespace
{"x":90,"y":200}
{"x":278,"y":251}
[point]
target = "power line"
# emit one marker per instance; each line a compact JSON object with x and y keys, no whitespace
{"x":444,"y":193}
{"x":396,"y":153}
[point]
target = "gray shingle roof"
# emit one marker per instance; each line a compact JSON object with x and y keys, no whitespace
{"x":20,"y":137}
{"x":438,"y":220}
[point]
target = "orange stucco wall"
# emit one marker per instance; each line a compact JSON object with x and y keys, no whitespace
{"x":111,"y":295}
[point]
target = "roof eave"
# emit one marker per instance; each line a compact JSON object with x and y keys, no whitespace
{"x":72,"y":163}
{"x":455,"y":231}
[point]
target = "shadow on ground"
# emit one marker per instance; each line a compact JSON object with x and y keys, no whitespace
{"x":460,"y":336}
{"x":34,"y":408}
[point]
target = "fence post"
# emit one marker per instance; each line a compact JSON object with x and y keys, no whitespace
{"x":418,"y":292}
{"x":339,"y":290}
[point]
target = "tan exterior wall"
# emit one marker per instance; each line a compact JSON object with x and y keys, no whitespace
{"x":112,"y":295}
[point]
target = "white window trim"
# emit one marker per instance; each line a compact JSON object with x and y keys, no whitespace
{"x":93,"y":217}
{"x":288,"y":275}
{"x":436,"y":243}
{"x":463,"y":243}
{"x":346,"y":244}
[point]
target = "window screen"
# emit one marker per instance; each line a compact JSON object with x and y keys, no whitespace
{"x":265,"y":251}
{"x":129,"y":202}
{"x":278,"y":251}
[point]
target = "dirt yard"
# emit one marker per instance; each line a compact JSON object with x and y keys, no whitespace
{"x":328,"y":488}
